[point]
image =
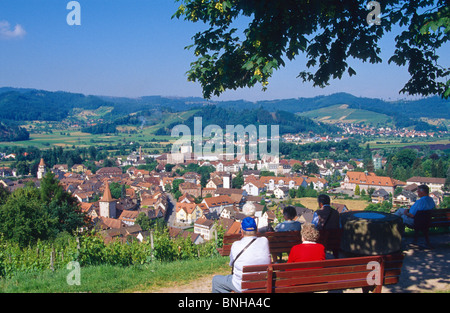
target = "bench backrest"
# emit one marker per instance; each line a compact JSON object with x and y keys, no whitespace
{"x":279,"y":242}
{"x":440,"y":218}
{"x":324,"y":275}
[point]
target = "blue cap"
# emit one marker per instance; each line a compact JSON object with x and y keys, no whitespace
{"x":248,"y":224}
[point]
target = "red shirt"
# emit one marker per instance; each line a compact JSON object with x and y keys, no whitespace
{"x":307,"y":252}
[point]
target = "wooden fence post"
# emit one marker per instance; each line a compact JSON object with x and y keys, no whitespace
{"x":52,"y":259}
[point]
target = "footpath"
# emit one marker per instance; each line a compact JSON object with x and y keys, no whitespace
{"x":424,"y":270}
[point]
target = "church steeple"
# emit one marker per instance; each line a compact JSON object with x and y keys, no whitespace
{"x":41,"y":169}
{"x":107,"y":203}
{"x":107,"y":197}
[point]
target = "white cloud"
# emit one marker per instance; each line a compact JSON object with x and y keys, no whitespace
{"x":6,"y":32}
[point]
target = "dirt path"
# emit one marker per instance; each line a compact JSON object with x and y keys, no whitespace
{"x":423,"y":270}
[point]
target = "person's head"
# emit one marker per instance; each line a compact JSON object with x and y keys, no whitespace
{"x":323,"y":199}
{"x":423,"y":190}
{"x":249,"y":209}
{"x":309,"y":232}
{"x":248,"y":226}
{"x":289,"y":213}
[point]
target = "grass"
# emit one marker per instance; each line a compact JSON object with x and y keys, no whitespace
{"x":80,"y":139}
{"x":354,"y":205}
{"x":64,"y":136}
{"x":116,"y":279}
{"x":342,"y":113}
{"x":397,"y":142}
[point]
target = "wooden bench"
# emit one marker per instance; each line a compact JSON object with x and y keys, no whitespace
{"x":440,"y":218}
{"x":333,"y":274}
{"x":279,"y":242}
{"x":282,"y":242}
{"x":424,"y":220}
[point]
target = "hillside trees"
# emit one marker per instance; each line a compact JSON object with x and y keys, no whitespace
{"x":30,"y":214}
{"x":330,"y":33}
{"x":406,"y":163}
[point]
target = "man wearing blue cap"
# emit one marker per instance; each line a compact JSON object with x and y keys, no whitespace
{"x":250,"y":250}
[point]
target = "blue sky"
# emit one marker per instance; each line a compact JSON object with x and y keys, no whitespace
{"x":133,"y":48}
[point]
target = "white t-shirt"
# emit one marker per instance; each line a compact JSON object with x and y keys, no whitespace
{"x":257,"y":253}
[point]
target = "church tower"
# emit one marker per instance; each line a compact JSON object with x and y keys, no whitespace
{"x":107,"y":203}
{"x":41,"y":169}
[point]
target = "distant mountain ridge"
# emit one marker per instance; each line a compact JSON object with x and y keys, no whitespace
{"x":31,"y":104}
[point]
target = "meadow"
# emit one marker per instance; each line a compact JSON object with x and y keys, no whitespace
{"x":353,"y":205}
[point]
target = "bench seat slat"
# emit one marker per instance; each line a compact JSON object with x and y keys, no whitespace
{"x":358,"y":276}
{"x":321,"y":287}
{"x":440,"y":218}
{"x":331,"y":274}
{"x":321,"y":271}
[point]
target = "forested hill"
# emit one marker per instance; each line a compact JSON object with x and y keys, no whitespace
{"x":19,"y":105}
{"x":30,"y":104}
{"x":287,"y":121}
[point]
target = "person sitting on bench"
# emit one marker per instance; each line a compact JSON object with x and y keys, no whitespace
{"x":250,"y":250}
{"x":326,"y":217}
{"x":410,"y":217}
{"x":289,"y":224}
{"x":309,"y":249}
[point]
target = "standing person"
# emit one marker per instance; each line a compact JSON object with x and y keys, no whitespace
{"x":309,"y":249}
{"x":326,"y":217}
{"x":289,"y":224}
{"x":250,"y":250}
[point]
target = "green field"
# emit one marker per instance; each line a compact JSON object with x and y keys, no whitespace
{"x":399,"y":143}
{"x":48,"y":134}
{"x":341,"y":113}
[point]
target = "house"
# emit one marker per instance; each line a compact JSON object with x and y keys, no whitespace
{"x":89,"y":210}
{"x":186,"y":198}
{"x":77,"y":168}
{"x":405,"y":198}
{"x":215,"y":183}
{"x":317,"y":182}
{"x":187,"y":212}
{"x":437,"y":197}
{"x":380,"y":195}
{"x":341,"y":208}
{"x":191,"y":189}
{"x":61,"y":167}
{"x":109,"y":172}
{"x":281,"y":192}
{"x":123,"y":234}
{"x":366,"y":181}
{"x":192,"y":177}
{"x":217,"y":204}
{"x":208,"y":191}
{"x":204,"y":227}
{"x":128,"y":217}
{"x":305,"y":215}
{"x":267,"y":218}
{"x":178,"y":232}
{"x":153,"y":213}
{"x":434,"y":183}
{"x":83,"y":196}
{"x":254,"y":187}
{"x":6,"y":171}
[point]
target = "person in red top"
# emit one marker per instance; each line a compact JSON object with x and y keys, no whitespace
{"x":309,"y":249}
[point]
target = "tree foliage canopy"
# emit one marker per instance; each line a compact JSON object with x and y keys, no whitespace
{"x":329,"y":32}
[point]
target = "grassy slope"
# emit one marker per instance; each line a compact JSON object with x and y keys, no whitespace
{"x":341,"y":113}
{"x":105,"y":279}
{"x":78,"y":138}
